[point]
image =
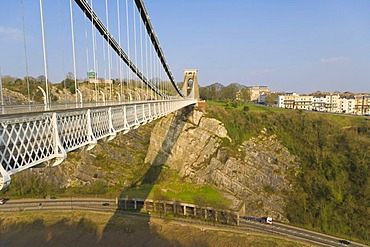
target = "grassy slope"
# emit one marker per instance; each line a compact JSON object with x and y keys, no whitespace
{"x":333,"y":185}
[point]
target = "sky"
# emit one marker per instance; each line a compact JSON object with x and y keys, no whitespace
{"x":287,"y":45}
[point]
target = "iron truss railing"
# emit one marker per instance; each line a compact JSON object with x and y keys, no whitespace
{"x":35,"y":138}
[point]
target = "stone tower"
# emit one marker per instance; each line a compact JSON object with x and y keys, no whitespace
{"x":191,"y":87}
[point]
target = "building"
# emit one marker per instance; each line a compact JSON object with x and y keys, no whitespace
{"x":362,"y":105}
{"x":347,"y":105}
{"x":262,"y":98}
{"x":304,"y":102}
{"x":257,"y":90}
{"x":287,"y":100}
{"x":318,"y":103}
{"x":333,"y":103}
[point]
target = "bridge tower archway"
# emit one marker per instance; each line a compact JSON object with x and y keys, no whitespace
{"x":191,"y":86}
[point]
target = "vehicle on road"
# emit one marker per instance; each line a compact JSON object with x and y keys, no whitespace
{"x":2,"y":200}
{"x":264,"y":220}
{"x":343,"y":241}
{"x":268,"y":220}
{"x":53,"y":197}
{"x":105,"y":204}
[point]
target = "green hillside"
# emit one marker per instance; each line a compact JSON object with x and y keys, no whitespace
{"x":331,"y":191}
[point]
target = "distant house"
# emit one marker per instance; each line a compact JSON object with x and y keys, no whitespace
{"x":304,"y":102}
{"x":256,"y":91}
{"x":287,"y":100}
{"x":359,"y":104}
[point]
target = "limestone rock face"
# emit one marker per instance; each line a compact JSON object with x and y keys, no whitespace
{"x":255,"y":173}
{"x":185,"y":141}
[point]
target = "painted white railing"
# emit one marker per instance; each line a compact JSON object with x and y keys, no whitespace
{"x":27,"y":140}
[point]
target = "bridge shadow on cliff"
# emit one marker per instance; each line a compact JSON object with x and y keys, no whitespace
{"x":147,"y":230}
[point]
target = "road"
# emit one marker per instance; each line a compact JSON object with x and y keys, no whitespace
{"x":299,"y":233}
{"x":59,"y":204}
{"x":95,"y":204}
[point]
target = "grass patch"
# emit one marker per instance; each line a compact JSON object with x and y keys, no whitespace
{"x":203,"y":195}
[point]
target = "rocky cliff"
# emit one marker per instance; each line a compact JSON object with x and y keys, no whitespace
{"x":200,"y":149}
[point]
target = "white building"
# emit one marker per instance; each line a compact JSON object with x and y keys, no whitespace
{"x":287,"y":100}
{"x":332,"y":103}
{"x":359,"y":105}
{"x":303,"y":102}
{"x":347,"y":105}
{"x":318,"y":103}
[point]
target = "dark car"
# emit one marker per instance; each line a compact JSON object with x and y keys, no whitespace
{"x":342,"y":241}
{"x":105,"y":204}
{"x":53,"y":197}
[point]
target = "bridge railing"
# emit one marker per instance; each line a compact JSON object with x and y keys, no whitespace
{"x":26,"y":108}
{"x":27,"y":140}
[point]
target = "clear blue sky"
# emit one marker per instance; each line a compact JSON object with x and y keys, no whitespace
{"x":287,"y":45}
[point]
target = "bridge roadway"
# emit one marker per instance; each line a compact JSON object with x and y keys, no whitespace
{"x":96,"y":204}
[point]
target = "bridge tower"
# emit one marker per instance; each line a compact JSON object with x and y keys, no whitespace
{"x":191,"y":87}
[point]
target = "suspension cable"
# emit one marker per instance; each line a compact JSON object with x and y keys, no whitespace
{"x":155,"y":42}
{"x":44,"y":55}
{"x":147,"y":61}
{"x":93,"y":35}
{"x":87,"y":52}
{"x":73,"y":49}
{"x":151,"y":64}
{"x":25,"y":55}
{"x":141,"y":50}
{"x":128,"y":45}
{"x":62,"y":45}
{"x":133,"y":9}
{"x":119,"y":42}
{"x":104,"y":33}
{"x":108,"y":51}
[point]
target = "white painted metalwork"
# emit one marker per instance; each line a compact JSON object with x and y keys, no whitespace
{"x":29,"y":139}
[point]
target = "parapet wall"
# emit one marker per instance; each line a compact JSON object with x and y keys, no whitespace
{"x":180,"y":209}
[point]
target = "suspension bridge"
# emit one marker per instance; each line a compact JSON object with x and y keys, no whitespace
{"x":120,"y":81}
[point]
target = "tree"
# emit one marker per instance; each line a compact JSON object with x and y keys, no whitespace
{"x":211,"y":92}
{"x":41,"y":79}
{"x":272,"y":99}
{"x":229,"y":92}
{"x":245,"y":95}
{"x":70,"y":76}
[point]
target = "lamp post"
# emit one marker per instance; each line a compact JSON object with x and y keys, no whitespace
{"x":103,"y":97}
{"x":80,"y":94}
{"x":45,"y":97}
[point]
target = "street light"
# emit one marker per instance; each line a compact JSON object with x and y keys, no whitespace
{"x":45,"y":98}
{"x":103,"y":96}
{"x":80,"y":94}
